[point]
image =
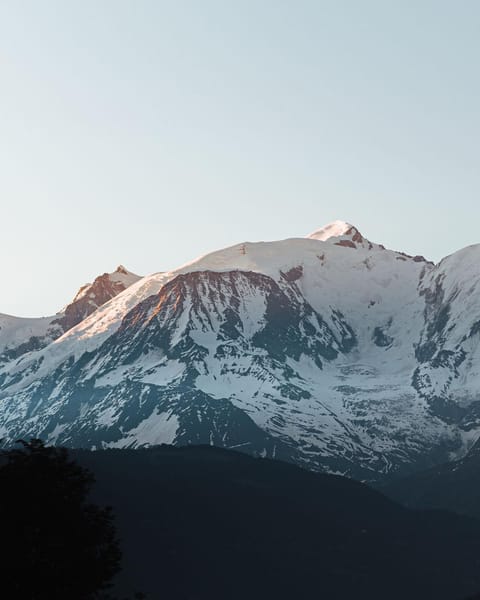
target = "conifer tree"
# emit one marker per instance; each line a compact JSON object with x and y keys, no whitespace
{"x":56,"y":544}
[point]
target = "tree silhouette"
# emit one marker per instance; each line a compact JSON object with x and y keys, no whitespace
{"x":55,"y":544}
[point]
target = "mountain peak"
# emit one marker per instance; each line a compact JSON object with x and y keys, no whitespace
{"x":92,"y":295}
{"x":334,"y":229}
{"x":114,"y":282}
{"x":341,"y":233}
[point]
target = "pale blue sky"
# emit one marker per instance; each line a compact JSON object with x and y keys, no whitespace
{"x":148,"y":132}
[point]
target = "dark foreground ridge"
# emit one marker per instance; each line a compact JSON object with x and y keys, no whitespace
{"x":204,"y":523}
{"x":453,"y":486}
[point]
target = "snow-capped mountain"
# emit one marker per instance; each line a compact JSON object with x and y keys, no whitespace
{"x":330,"y":351}
{"x":21,"y":335}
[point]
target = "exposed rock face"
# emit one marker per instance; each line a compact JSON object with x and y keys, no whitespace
{"x":356,"y":360}
{"x":92,"y":295}
{"x":21,"y":336}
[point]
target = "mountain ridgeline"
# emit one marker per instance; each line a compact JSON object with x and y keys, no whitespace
{"x":331,"y":352}
{"x":451,"y":486}
{"x":19,"y":336}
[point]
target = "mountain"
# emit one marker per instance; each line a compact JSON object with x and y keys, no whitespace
{"x":329,"y":351}
{"x":21,"y":335}
{"x":453,"y":486}
{"x":206,"y":523}
{"x":92,"y":295}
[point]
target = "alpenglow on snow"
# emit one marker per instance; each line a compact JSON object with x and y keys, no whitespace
{"x":329,"y":351}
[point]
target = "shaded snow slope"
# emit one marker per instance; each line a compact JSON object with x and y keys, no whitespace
{"x":20,"y":335}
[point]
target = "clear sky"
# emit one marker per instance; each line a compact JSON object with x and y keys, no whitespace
{"x":146,"y":132}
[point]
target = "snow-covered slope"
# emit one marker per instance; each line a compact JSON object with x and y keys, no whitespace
{"x":330,"y":351}
{"x":21,"y":335}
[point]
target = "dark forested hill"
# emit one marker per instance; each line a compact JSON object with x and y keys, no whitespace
{"x":454,"y":486}
{"x":204,"y":523}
